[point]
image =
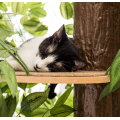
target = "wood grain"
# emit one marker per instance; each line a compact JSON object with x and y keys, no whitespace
{"x":63,"y":74}
{"x":97,"y":37}
{"x":69,"y":80}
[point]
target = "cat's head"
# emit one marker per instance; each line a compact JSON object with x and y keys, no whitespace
{"x":58,"y":53}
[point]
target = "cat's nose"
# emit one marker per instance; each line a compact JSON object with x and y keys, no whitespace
{"x":37,"y":67}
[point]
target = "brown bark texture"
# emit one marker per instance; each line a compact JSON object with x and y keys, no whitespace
{"x":97,"y":37}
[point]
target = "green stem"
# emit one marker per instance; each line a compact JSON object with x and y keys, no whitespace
{"x":46,"y":112}
{"x":19,"y":113}
{"x":5,"y":52}
{"x":19,"y":60}
{"x":8,"y":13}
{"x":22,"y":62}
{"x":106,"y":73}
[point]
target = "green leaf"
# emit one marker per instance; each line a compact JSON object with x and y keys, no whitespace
{"x":11,"y":105}
{"x":1,"y":3}
{"x":3,"y":84}
{"x":3,"y":52}
{"x":7,"y":91}
{"x":69,"y":29}
{"x":30,"y":85}
{"x":115,"y":81}
{"x":3,"y":107}
{"x":39,"y":12}
{"x":114,"y":73}
{"x":17,"y":97}
{"x":7,"y":23}
{"x":13,"y":43}
{"x":34,"y":26}
{"x":6,"y":51}
{"x":107,"y":88}
{"x":31,"y":25}
{"x":46,"y":87}
{"x":23,"y":19}
{"x":33,"y":5}
{"x":41,"y":30}
{"x":0,"y":97}
{"x":4,"y":33}
{"x":49,"y":103}
{"x":63,"y":98}
{"x":1,"y":16}
{"x":68,"y":86}
{"x":17,"y":7}
{"x":20,"y":8}
{"x":23,"y":96}
{"x":69,"y":103}
{"x":69,"y":100}
{"x":16,"y":57}
{"x":9,"y":75}
{"x":22,"y":85}
{"x":0,"y":77}
{"x":29,"y":90}
{"x":66,"y":10}
{"x":44,"y":83}
{"x":8,"y":4}
{"x":3,"y":7}
{"x":61,"y":111}
{"x":104,"y":92}
{"x":18,"y":110}
{"x":118,"y":54}
{"x":39,"y":112}
{"x":33,"y":101}
{"x":4,"y":88}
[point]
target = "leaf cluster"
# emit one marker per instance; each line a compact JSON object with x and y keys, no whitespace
{"x":37,"y":103}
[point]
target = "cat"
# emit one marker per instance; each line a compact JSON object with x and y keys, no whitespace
{"x":56,"y":53}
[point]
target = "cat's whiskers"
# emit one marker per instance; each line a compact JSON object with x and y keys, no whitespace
{"x":63,"y":68}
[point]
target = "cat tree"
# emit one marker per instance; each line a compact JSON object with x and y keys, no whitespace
{"x":97,"y":37}
{"x":81,"y":77}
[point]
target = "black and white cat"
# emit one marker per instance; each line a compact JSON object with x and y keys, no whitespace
{"x":56,"y":53}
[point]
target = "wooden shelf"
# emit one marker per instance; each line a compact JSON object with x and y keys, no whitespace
{"x":80,"y":77}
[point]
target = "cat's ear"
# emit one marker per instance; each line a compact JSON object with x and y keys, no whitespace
{"x":60,"y":34}
{"x":78,"y":64}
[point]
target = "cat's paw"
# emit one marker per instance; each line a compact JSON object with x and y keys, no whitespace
{"x":51,"y":95}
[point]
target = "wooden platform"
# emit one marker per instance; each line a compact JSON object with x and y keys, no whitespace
{"x":81,"y":77}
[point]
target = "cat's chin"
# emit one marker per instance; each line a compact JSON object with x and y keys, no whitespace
{"x":52,"y":95}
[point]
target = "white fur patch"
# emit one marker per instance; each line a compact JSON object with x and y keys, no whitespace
{"x":27,"y":52}
{"x":42,"y":63}
{"x":1,"y":59}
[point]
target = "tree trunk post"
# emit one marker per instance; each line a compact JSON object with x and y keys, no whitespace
{"x":97,"y":37}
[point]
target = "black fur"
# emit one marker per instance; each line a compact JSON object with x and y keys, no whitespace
{"x":66,"y":53}
{"x":51,"y":93}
